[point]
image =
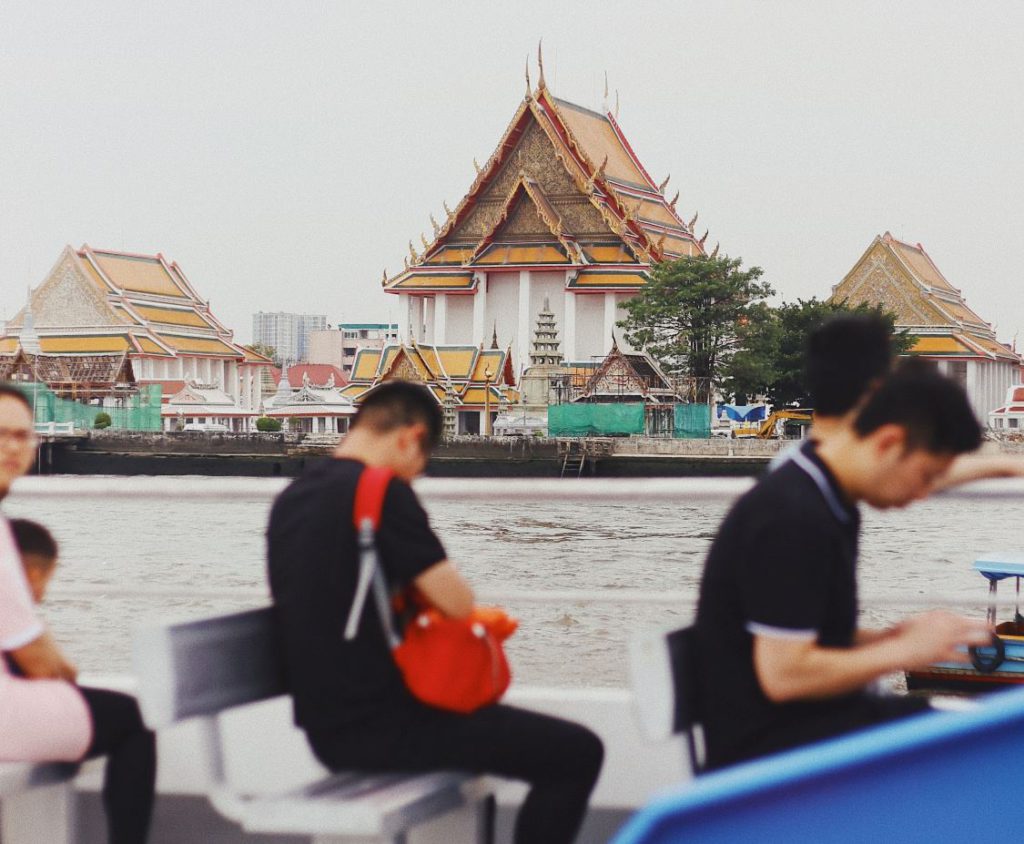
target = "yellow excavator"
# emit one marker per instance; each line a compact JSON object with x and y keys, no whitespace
{"x":768,"y":427}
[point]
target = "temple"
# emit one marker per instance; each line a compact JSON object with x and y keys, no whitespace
{"x":97,"y":303}
{"x":562,"y":213}
{"x":903,"y":279}
{"x":472,"y":384}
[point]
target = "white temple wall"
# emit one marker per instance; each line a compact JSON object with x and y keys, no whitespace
{"x":987,"y":383}
{"x":591,"y":341}
{"x":621,"y":314}
{"x":502,"y":308}
{"x":460,"y":320}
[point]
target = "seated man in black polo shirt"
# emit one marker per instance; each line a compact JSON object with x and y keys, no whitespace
{"x":782,"y":661}
{"x":349,"y":696}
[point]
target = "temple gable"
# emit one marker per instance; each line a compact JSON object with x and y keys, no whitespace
{"x":69,"y":298}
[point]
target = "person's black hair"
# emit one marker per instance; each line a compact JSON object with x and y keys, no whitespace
{"x":931,"y":408}
{"x":846,"y":356}
{"x":395,"y":404}
{"x":33,"y":538}
{"x":9,"y":391}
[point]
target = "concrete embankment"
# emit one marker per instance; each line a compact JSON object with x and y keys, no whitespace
{"x":288,"y":455}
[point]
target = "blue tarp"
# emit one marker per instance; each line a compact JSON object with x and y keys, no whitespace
{"x":743,"y":412}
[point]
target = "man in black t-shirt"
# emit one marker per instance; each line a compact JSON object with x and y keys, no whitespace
{"x":349,"y":696}
{"x":782,"y":661}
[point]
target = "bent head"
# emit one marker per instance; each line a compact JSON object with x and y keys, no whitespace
{"x":907,"y":434}
{"x":17,"y":436}
{"x":401,"y":424}
{"x":38,"y":551}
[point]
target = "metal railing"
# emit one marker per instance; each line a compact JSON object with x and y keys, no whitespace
{"x":440,"y":490}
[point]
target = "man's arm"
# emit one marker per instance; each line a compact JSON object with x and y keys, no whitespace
{"x":800,"y":669}
{"x":446,"y":589}
{"x":978,"y":467}
{"x":42,"y":659}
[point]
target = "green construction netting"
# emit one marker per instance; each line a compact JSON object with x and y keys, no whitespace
{"x":692,"y":422}
{"x":137,"y":412}
{"x":600,"y":420}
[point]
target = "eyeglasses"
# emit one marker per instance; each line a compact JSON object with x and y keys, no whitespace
{"x":18,"y":437}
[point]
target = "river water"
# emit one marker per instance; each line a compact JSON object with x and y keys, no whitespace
{"x":499,"y":545}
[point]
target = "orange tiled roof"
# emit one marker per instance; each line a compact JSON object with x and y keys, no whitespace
{"x":199,"y":345}
{"x":171,"y":316}
{"x":319,"y":374}
{"x":606,"y":174}
{"x":140,"y":273}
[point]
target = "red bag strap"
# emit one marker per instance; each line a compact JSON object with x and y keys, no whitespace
{"x":370,"y":492}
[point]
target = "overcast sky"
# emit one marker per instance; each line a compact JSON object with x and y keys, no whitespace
{"x":284,"y":154}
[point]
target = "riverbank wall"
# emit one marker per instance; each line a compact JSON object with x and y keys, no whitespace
{"x":288,"y":455}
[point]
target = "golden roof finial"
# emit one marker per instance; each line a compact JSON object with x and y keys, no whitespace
{"x":705,"y":237}
{"x":693,"y":221}
{"x":433,"y":223}
{"x":412,"y":253}
{"x":426,"y":244}
{"x":616,"y":103}
{"x":477,"y":166}
{"x":405,"y":260}
{"x":540,"y":64}
{"x":529,"y":88}
{"x":447,"y":210}
{"x":714,"y":252}
{"x":384,"y":279}
{"x":663,"y":185}
{"x":604,"y":102}
{"x":600,"y":170}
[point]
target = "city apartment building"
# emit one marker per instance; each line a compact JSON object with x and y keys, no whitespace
{"x":287,"y":333}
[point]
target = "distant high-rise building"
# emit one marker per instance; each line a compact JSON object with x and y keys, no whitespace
{"x":287,"y":333}
{"x":364,"y":335}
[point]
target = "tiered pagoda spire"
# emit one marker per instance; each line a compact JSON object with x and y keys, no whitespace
{"x":545,"y":338}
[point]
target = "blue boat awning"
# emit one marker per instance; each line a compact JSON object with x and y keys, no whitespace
{"x":1000,"y":564}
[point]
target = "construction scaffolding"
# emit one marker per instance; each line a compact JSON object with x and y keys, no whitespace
{"x":135,"y":411}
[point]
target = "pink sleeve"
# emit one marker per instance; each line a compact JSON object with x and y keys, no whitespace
{"x":18,"y":622}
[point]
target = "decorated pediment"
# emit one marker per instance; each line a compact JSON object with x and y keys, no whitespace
{"x":68,"y":298}
{"x":402,"y":368}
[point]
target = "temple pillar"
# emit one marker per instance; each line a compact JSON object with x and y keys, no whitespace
{"x":569,"y":329}
{"x":405,"y":323}
{"x":522,"y":345}
{"x":440,"y":318}
{"x":609,"y":319}
{"x":429,"y":314}
{"x":480,"y":308}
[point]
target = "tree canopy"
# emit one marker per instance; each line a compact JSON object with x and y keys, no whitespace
{"x":694,"y":314}
{"x":772,"y":361}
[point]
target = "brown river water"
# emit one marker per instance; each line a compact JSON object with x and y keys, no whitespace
{"x":189,"y":545}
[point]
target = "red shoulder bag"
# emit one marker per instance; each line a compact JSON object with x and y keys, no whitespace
{"x":454,"y":664}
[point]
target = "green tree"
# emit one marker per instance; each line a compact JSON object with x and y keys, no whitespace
{"x":102,"y":421}
{"x":694,"y":313}
{"x":772,"y":361}
{"x":266,"y":351}
{"x":268,"y":425}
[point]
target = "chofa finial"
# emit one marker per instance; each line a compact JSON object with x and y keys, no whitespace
{"x":434,"y":224}
{"x":540,"y":63}
{"x":476,"y":166}
{"x":663,"y":185}
{"x":714,"y":252}
{"x":529,"y":88}
{"x":604,"y":102}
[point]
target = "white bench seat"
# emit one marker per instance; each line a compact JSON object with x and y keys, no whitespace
{"x":200,"y":669}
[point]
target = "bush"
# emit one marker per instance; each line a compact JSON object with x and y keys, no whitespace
{"x":102,"y":421}
{"x":266,"y":425}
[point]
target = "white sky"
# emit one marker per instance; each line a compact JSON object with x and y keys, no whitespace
{"x":284,"y":154}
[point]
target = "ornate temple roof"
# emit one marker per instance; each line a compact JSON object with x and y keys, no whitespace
{"x":97,"y":301}
{"x":460,"y":373}
{"x":904,"y":279}
{"x":563,"y":188}
{"x":58,"y":371}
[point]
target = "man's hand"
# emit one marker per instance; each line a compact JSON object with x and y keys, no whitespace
{"x":446,"y":590}
{"x":789,"y":669}
{"x":937,"y":636}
